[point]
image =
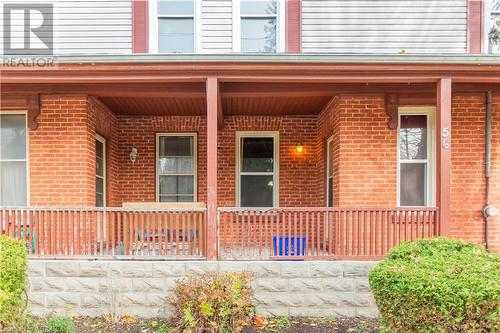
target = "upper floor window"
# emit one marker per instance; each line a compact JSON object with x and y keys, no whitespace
{"x":13,"y":160}
{"x":259,"y":26}
{"x":494,"y":27}
{"x":174,"y":24}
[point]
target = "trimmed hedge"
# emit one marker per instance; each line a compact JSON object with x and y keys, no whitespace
{"x":438,"y":285}
{"x":13,"y":266}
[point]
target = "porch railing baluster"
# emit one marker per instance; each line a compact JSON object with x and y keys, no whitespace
{"x":251,"y":233}
{"x":319,"y":233}
{"x":64,"y":232}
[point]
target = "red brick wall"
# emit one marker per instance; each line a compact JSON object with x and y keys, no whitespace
{"x":367,"y":167}
{"x":60,"y":159}
{"x":494,"y":224}
{"x":297,"y":183}
{"x":137,"y":180}
{"x":468,"y":182}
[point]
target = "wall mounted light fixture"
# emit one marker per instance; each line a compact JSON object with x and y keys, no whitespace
{"x":299,"y":148}
{"x":490,"y":211}
{"x":133,"y":154}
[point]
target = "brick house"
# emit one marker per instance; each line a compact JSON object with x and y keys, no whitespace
{"x":223,"y":130}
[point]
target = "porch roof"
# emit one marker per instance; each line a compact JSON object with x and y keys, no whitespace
{"x":275,"y":68}
{"x":250,"y":84}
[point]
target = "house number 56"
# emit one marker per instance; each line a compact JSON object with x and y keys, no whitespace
{"x":445,"y":134}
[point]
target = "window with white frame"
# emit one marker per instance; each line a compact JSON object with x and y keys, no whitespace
{"x":100,"y":171}
{"x":175,"y":25}
{"x":494,"y":27}
{"x":257,"y":169}
{"x":329,"y":172}
{"x":13,"y":160}
{"x":259,"y":26}
{"x":176,"y":167}
{"x":415,"y":155}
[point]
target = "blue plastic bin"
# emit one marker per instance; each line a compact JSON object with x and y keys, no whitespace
{"x":289,"y":246}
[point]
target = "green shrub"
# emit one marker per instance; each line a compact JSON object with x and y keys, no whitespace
{"x":59,"y":324}
{"x":13,"y":266}
{"x":212,"y":303}
{"x":438,"y":285}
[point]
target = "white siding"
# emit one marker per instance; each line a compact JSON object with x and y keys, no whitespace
{"x":91,"y":26}
{"x":384,"y":26}
{"x":216,"y":26}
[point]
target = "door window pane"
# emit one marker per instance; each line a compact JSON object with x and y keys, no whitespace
{"x":258,"y":35}
{"x":256,"y":191}
{"x":258,"y":154}
{"x":412,"y":184}
{"x":13,"y":183}
{"x":12,"y":137}
{"x":413,"y":137}
{"x":176,"y":35}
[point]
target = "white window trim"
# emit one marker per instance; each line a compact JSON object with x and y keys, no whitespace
{"x":280,"y":26}
{"x":195,"y":163}
{"x":153,"y":25}
{"x":487,"y":15}
{"x":329,"y":142}
{"x":27,"y":159}
{"x":430,"y":112}
{"x":102,"y":140}
{"x":258,"y":134}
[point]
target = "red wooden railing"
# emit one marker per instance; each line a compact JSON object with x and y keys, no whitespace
{"x":115,"y":232}
{"x":243,"y":234}
{"x":320,"y":233}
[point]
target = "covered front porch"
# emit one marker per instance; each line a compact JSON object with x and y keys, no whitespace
{"x":239,"y":160}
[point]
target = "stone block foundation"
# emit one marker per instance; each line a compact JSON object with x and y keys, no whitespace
{"x":139,"y":288}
